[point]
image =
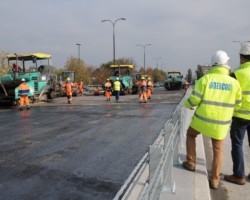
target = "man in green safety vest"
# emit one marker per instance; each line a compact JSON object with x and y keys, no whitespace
{"x":117,"y":88}
{"x":216,"y":96}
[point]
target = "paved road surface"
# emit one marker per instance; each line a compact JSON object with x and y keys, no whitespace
{"x":85,"y":150}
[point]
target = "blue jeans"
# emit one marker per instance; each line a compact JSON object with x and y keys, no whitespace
{"x":237,"y":133}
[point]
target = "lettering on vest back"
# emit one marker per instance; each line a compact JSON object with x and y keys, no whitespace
{"x":220,"y":86}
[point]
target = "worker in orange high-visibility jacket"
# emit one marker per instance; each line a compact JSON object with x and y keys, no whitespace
{"x":186,"y":85}
{"x":68,"y":88}
{"x":81,"y":88}
{"x":23,"y":92}
{"x":150,"y":87}
{"x":143,"y":90}
{"x":108,"y":87}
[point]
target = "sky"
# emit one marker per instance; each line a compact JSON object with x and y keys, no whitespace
{"x":183,"y":33}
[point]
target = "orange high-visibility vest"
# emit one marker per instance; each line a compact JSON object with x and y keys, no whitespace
{"x":68,"y":87}
{"x":24,"y":89}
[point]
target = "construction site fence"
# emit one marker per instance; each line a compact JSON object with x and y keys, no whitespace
{"x":161,"y":157}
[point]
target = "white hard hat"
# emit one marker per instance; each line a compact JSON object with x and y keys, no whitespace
{"x":117,"y":78}
{"x":23,"y":80}
{"x":245,"y":49}
{"x":220,"y":58}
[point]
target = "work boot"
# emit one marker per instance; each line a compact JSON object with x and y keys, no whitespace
{"x":213,"y":185}
{"x":28,"y":107}
{"x":187,"y":166}
{"x":20,"y":108}
{"x":234,"y":179}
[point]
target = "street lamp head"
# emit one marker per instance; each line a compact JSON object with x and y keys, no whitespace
{"x":144,"y":45}
{"x":122,"y":18}
{"x":104,"y":20}
{"x":78,"y":44}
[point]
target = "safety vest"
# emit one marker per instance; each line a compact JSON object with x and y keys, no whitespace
{"x":107,"y":86}
{"x":143,"y":85}
{"x":117,"y":86}
{"x":24,"y":89}
{"x":242,"y":75}
{"x":68,"y":87}
{"x":149,"y":84}
{"x":216,"y":95}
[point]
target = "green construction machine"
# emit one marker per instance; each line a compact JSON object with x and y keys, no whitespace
{"x":174,"y":80}
{"x":123,"y":72}
{"x":39,"y":78}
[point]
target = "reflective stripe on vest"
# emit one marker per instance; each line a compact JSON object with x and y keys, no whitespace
{"x":197,"y":94}
{"x":24,"y":89}
{"x":229,"y":105}
{"x":212,"y":121}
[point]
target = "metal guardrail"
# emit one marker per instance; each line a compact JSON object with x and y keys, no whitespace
{"x":162,"y":157}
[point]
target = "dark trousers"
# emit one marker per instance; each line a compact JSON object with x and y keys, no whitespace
{"x":248,"y":134}
{"x":117,"y":95}
{"x":237,"y":133}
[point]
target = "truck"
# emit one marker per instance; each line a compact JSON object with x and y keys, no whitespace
{"x":174,"y":80}
{"x":123,"y":72}
{"x":39,"y":78}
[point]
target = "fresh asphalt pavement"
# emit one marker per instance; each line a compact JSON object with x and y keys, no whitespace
{"x":84,"y":150}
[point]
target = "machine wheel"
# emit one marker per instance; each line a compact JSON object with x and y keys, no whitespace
{"x":51,"y":95}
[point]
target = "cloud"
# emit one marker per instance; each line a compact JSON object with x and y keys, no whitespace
{"x":183,"y":33}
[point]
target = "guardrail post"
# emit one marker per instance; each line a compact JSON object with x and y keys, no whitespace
{"x":155,"y":154}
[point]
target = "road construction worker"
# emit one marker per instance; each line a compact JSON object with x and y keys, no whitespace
{"x":117,"y":89}
{"x":16,"y":68}
{"x":150,"y":87}
{"x":81,"y":86}
{"x":216,"y":96}
{"x":75,"y":88}
{"x":241,"y":119}
{"x":23,"y":92}
{"x":143,"y":90}
{"x":186,"y":85}
{"x":107,"y":87}
{"x":68,"y":88}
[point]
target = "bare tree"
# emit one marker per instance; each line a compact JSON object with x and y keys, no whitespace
{"x":4,"y":68}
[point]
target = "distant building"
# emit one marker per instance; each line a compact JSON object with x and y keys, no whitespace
{"x":202,"y":70}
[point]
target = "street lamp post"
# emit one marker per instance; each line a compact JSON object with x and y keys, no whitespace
{"x":78,"y":44}
{"x":241,"y":43}
{"x":113,"y":23}
{"x":157,"y":59}
{"x":144,"y":53}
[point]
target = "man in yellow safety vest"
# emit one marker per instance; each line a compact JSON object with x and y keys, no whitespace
{"x":241,"y":118}
{"x":216,"y":96}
